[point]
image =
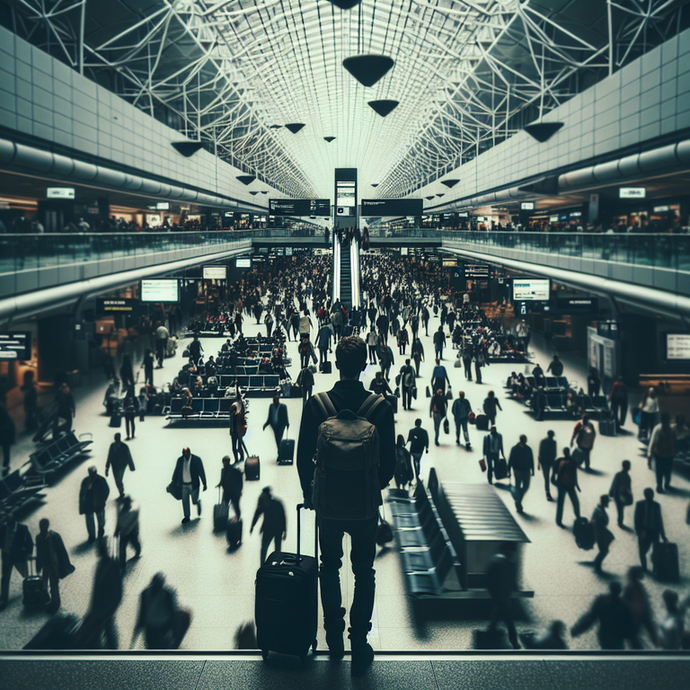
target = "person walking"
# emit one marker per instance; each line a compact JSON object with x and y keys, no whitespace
{"x":618,"y":397}
{"x":231,"y":481}
{"x":584,"y":435}
{"x":565,"y":478}
{"x":649,"y":409}
{"x":386,"y":360}
{"x":480,"y":361}
{"x":127,"y":372}
{"x":649,"y":525}
{"x":238,"y":426}
{"x":461,"y":410}
{"x":636,"y":598}
{"x":273,"y":526}
{"x":53,"y":561}
{"x":546,"y":459}
{"x":372,"y":341}
{"x":350,"y":515}
{"x":621,"y":491}
{"x":439,"y":342}
{"x":521,"y":464}
{"x":127,"y":529}
{"x":417,"y":353}
{"x":467,"y":355}
{"x":305,"y":380}
{"x":131,"y":410}
{"x":147,"y":366}
{"x":662,"y":447}
{"x":602,"y":534}
{"x":613,"y":616}
{"x":119,"y":458}
{"x":403,"y":465}
{"x":323,"y":341}
{"x":492,"y":449}
{"x":407,"y":384}
{"x":490,"y":406}
{"x":16,"y":546}
{"x":438,"y":410}
{"x":501,"y":581}
{"x":163,"y":623}
{"x":162,"y":336}
{"x":31,"y":408}
{"x":188,"y":476}
{"x":93,"y":494}
{"x":278,"y":420}
{"x":439,"y":377}
{"x":418,"y":439}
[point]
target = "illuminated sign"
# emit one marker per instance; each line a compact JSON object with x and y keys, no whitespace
{"x":532,"y":289}
{"x":214,"y":273}
{"x":161,"y":290}
{"x":527,"y":206}
{"x":632,"y":192}
{"x":60,"y":193}
{"x":15,"y":346}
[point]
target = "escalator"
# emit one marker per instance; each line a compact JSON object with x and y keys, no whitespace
{"x":346,"y":276}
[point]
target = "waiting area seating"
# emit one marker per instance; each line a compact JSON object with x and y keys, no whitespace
{"x":18,"y":488}
{"x":203,"y":409}
{"x":58,"y":453}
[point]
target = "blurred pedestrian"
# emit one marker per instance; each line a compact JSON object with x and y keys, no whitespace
{"x":602,"y":533}
{"x":16,"y":546}
{"x":127,"y":529}
{"x":119,"y":458}
{"x":613,"y":617}
{"x":53,"y":561}
{"x":231,"y":481}
{"x":621,"y":490}
{"x":273,"y":527}
{"x":93,"y":494}
{"x":521,"y":464}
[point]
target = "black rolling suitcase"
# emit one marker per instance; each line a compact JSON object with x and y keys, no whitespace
{"x":252,"y":468}
{"x":665,"y":559}
{"x":233,"y":532}
{"x":607,"y":426}
{"x":285,"y":608}
{"x":220,"y":515}
{"x":393,"y":400}
{"x":286,"y":454}
{"x":500,"y":469}
{"x":34,"y":594}
{"x":584,"y":533}
{"x":482,"y":422}
{"x":326,"y":367}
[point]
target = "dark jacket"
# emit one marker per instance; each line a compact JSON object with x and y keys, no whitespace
{"x":461,"y":408}
{"x":119,"y":457}
{"x":274,"y":515}
{"x":196,"y":469}
{"x":547,"y":451}
{"x":418,"y":439}
{"x":92,"y":498}
{"x":615,"y":621}
{"x":345,"y":395}
{"x":51,"y":555}
{"x":521,"y":459}
{"x":486,"y":448}
{"x":22,"y":545}
{"x":282,"y":415}
{"x":231,"y":481}
{"x":652,"y":523}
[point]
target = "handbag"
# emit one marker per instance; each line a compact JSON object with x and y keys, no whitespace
{"x":446,"y":426}
{"x":428,"y":392}
{"x":397,"y":391}
{"x":414,"y":392}
{"x":175,"y":491}
{"x":482,"y":465}
{"x":449,"y":394}
{"x":636,"y":417}
{"x":471,"y":418}
{"x":625,"y":497}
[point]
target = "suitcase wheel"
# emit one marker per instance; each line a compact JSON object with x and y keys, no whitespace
{"x":264,"y":654}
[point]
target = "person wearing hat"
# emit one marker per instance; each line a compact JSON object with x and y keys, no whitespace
{"x":93,"y":494}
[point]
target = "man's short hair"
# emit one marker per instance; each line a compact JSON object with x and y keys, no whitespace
{"x":351,"y":355}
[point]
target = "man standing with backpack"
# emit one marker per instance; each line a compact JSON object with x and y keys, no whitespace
{"x":343,"y":429}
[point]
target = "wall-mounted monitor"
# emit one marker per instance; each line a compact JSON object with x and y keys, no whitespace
{"x":160,"y":290}
{"x":299,"y":207}
{"x":527,"y":206}
{"x":243,"y":262}
{"x":60,"y":193}
{"x":678,"y":347}
{"x":392,"y":207}
{"x":16,"y":346}
{"x":215,"y":273}
{"x":531,"y":289}
{"x":632,"y":192}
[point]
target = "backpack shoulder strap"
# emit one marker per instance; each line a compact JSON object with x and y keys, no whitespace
{"x":369,"y":405}
{"x":326,"y":405}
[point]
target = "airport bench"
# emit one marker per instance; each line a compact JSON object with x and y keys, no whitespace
{"x":59,"y":452}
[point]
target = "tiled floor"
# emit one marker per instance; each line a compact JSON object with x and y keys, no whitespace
{"x":218,"y":586}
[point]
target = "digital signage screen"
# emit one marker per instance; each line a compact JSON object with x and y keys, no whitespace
{"x":300,"y":207}
{"x":678,"y":347}
{"x":392,"y":207}
{"x":531,"y":289}
{"x":215,"y":273}
{"x":15,"y":345}
{"x":160,"y":290}
{"x":243,"y":262}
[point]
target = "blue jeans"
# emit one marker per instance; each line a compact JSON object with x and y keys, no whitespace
{"x":363,"y":538}
{"x":522,"y":479}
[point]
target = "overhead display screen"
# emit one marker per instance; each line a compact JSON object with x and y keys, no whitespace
{"x":215,"y":273}
{"x":300,"y":207}
{"x":392,"y":207}
{"x":60,"y":193}
{"x":15,"y":345}
{"x":531,"y":289}
{"x":105,"y":305}
{"x":476,"y":270}
{"x":678,"y":346}
{"x":243,"y":262}
{"x":161,"y":290}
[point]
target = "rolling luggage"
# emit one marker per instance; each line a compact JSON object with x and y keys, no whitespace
{"x":500,"y":469}
{"x":393,"y":400}
{"x":252,"y":468}
{"x":584,"y":533}
{"x":220,"y":514}
{"x":115,"y":420}
{"x":665,"y":560}
{"x":482,"y":422}
{"x":326,"y":367}
{"x":607,"y":427}
{"x":286,"y":454}
{"x":35,"y":595}
{"x":233,"y":532}
{"x":286,"y":606}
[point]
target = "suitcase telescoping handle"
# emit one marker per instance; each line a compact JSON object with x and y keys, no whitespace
{"x":300,"y":506}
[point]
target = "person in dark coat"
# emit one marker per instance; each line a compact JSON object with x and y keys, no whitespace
{"x":618,"y":397}
{"x":119,"y":458}
{"x":546,"y":460}
{"x":278,"y":420}
{"x":613,"y":616}
{"x":621,"y":490}
{"x":602,"y":534}
{"x":159,"y":617}
{"x":649,"y":524}
{"x":65,"y":410}
{"x":305,"y":380}
{"x":126,"y":372}
{"x":273,"y":527}
{"x":148,"y":367}
{"x":403,"y":464}
{"x":93,"y":494}
{"x":566,"y":482}
{"x":231,"y":481}
{"x":501,"y":581}
{"x":521,"y":463}
{"x":16,"y":546}
{"x":7,"y":439}
{"x":438,"y":409}
{"x":51,"y":559}
{"x":189,"y":475}
{"x":490,"y":405}
{"x":128,"y":528}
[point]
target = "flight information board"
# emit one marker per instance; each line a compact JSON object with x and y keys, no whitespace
{"x":15,"y":345}
{"x":392,"y":207}
{"x":299,"y":207}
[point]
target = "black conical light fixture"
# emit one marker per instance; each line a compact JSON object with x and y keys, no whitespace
{"x":275,"y":126}
{"x":543,"y":131}
{"x":187,"y":148}
{"x":329,"y":139}
{"x":345,"y":4}
{"x":374,"y":184}
{"x":450,"y":183}
{"x":439,"y":195}
{"x":253,"y":193}
{"x":383,"y":107}
{"x":246,"y":179}
{"x":368,"y":69}
{"x":264,"y":192}
{"x":429,"y":198}
{"x":294,"y":127}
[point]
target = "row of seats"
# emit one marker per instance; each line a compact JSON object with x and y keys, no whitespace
{"x":203,"y":409}
{"x":19,"y":488}
{"x":426,"y":554}
{"x":59,"y":452}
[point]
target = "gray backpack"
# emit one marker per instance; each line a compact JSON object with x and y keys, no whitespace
{"x":346,"y":477}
